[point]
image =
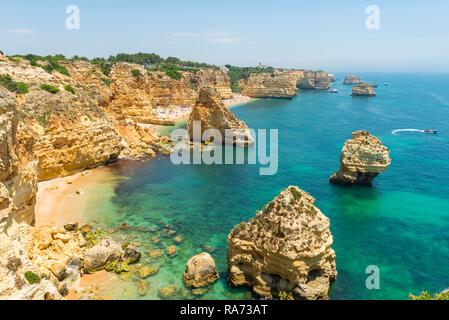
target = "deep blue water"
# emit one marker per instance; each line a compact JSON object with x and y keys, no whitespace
{"x":400,"y":224}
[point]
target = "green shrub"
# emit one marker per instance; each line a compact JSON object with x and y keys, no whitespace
{"x":106,"y":69}
{"x":17,"y":87}
{"x":107,"y":82}
{"x":69,"y":88}
{"x":32,"y":278}
{"x":49,"y":88}
{"x":136,"y":73}
{"x":22,"y":88}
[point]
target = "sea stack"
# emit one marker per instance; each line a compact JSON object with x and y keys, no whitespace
{"x":351,"y":79}
{"x":270,"y":85}
{"x":285,"y":250}
{"x":362,"y":159}
{"x":363,"y":90}
{"x":211,"y":113}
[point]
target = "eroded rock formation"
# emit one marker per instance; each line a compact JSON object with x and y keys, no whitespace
{"x":284,"y":250}
{"x":200,"y":271}
{"x":363,"y":89}
{"x":217,"y":79}
{"x":317,"y":80}
{"x":351,"y":79}
{"x":362,"y":159}
{"x":18,"y":165}
{"x":211,"y":113}
{"x":270,"y":85}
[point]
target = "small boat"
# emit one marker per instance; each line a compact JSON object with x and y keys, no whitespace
{"x":333,"y":90}
{"x":433,"y":131}
{"x":386,"y":84}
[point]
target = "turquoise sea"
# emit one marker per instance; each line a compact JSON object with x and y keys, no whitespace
{"x":400,"y":224}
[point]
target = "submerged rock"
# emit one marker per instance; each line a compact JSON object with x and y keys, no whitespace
{"x":285,"y":248}
{"x":211,"y":113}
{"x":362,"y":159}
{"x":170,"y":251}
{"x":142,"y":288}
{"x":145,"y":272}
{"x":200,"y":271}
{"x":167,"y":292}
{"x":363,"y":89}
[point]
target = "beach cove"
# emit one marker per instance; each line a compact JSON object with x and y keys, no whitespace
{"x":371,"y":226}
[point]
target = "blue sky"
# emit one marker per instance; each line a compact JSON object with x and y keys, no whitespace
{"x":413,"y":35}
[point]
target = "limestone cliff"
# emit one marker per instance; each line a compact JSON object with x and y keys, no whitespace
{"x":362,"y":159}
{"x":363,"y":89}
{"x":284,"y":250}
{"x":217,"y":79}
{"x":316,"y":80}
{"x":18,"y":166}
{"x":270,"y":85}
{"x":211,"y":113}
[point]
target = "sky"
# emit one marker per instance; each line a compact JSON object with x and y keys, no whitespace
{"x":331,"y":35}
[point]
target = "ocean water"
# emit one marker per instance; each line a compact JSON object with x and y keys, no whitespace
{"x":400,"y":224}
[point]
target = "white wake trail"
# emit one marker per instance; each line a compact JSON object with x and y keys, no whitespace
{"x":396,"y":131}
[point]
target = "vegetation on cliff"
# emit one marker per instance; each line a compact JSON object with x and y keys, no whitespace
{"x":17,"y":87}
{"x":242,"y":73}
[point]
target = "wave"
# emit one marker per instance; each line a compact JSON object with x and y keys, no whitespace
{"x":396,"y":131}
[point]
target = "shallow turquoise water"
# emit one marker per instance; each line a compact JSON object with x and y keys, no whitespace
{"x":401,"y":224}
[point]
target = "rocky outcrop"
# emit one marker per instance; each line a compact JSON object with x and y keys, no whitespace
{"x":211,"y":113}
{"x":352,"y":79}
{"x":18,"y":166}
{"x":363,"y":89}
{"x":316,"y":80}
{"x":362,"y":159}
{"x":284,"y":250}
{"x":217,"y":79}
{"x":270,"y":85}
{"x":38,"y":263}
{"x":200,"y":271}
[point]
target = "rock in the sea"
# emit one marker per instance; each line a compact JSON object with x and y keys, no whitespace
{"x":131,"y":255}
{"x":352,"y":79}
{"x":106,"y":252}
{"x":71,"y":226}
{"x":145,"y":272}
{"x":167,"y":292}
{"x":363,"y":89}
{"x":142,"y":288}
{"x":211,"y":113}
{"x":200,"y":271}
{"x":171,"y":251}
{"x":362,"y":159}
{"x":270,"y":85}
{"x":284,"y":249}
{"x":316,"y":80}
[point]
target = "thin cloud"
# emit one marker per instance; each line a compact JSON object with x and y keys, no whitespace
{"x":22,"y":31}
{"x":224,"y":40}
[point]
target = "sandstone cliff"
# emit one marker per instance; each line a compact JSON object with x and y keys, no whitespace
{"x":18,"y":166}
{"x":270,"y":85}
{"x":285,"y":250}
{"x":362,"y":159}
{"x":217,"y":79}
{"x":211,"y":113}
{"x":363,"y":89}
{"x":317,"y":80}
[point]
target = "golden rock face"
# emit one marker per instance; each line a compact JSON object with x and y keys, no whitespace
{"x":363,"y":158}
{"x":211,"y":113}
{"x":285,"y":248}
{"x":270,"y":85}
{"x":363,"y":89}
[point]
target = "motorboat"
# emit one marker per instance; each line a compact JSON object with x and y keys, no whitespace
{"x":433,"y":131}
{"x":333,"y":90}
